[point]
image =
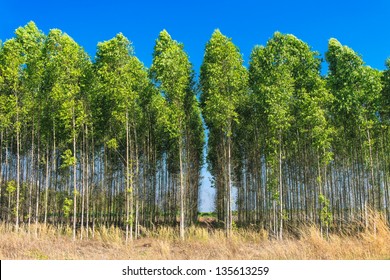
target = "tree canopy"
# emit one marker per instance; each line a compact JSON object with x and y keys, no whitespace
{"x":108,"y":142}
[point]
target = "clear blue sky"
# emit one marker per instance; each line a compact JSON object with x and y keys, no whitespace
{"x":362,"y":25}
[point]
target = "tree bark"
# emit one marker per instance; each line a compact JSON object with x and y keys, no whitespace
{"x":74,"y":175}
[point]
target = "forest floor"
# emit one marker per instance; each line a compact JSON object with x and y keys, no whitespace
{"x":200,"y":244}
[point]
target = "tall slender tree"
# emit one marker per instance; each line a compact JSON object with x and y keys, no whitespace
{"x":66,"y":62}
{"x":11,"y":68}
{"x":290,"y":97}
{"x":31,"y":40}
{"x":356,"y":89}
{"x":223,"y":80}
{"x":122,"y":80}
{"x":171,"y":71}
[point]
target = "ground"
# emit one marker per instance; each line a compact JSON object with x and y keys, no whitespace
{"x":47,"y":242}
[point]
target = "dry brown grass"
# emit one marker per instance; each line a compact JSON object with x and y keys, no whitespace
{"x":163,"y":244}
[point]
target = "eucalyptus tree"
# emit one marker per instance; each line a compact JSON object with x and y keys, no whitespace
{"x":289,"y":96}
{"x":4,"y":123}
{"x":150,"y":141}
{"x":384,"y":112}
{"x":223,"y":80}
{"x":194,"y":153}
{"x":11,"y":68}
{"x":31,"y":40}
{"x":122,"y":81}
{"x":310,"y":134}
{"x":21,"y":70}
{"x":272,"y":82}
{"x":112,"y":71}
{"x":65,"y":65}
{"x":171,"y":71}
{"x":88,"y":157}
{"x":141,"y":90}
{"x":356,"y":89}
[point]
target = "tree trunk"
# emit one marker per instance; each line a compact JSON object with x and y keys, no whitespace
{"x":17,"y":168}
{"x":229,"y":190}
{"x":280,"y":188}
{"x":46,"y":184}
{"x":182,"y":192}
{"x":371,"y":170}
{"x":83,"y":154}
{"x":129,"y":193}
{"x":74,"y":176}
{"x":31,"y":184}
{"x":136,"y":192}
{"x":37,"y":193}
{"x":87,"y":180}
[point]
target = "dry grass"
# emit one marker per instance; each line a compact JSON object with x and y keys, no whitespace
{"x":163,"y":244}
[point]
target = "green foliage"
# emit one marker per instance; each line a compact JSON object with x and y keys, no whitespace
{"x":326,"y":214}
{"x":171,"y":69}
{"x":63,"y":96}
{"x":171,"y":72}
{"x":223,"y":81}
{"x":112,"y":144}
{"x":121,"y":80}
{"x":234,"y":226}
{"x":11,"y":187}
{"x":290,"y":98}
{"x":385,"y":95}
{"x":67,"y":159}
{"x":356,"y":88}
{"x":207,"y":214}
{"x":279,"y":132}
{"x":67,"y":206}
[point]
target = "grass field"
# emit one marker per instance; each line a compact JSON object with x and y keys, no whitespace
{"x":47,"y":242}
